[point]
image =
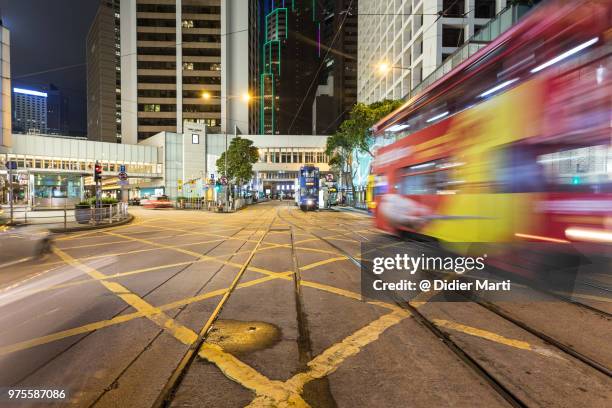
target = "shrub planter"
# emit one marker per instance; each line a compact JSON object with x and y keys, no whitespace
{"x":82,"y":213}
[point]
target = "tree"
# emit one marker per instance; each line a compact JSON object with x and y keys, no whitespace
{"x":354,"y":134}
{"x":241,"y":155}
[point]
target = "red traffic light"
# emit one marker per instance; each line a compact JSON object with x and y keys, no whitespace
{"x":98,"y":169}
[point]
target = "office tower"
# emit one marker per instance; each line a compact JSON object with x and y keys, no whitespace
{"x":291,"y":55}
{"x":104,"y":74}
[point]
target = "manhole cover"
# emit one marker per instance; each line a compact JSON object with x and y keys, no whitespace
{"x":241,"y":337}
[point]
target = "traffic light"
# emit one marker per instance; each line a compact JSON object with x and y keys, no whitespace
{"x":98,"y":172}
{"x":217,"y":186}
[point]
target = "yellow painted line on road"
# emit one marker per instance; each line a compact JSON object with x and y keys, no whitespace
{"x":269,"y":393}
{"x":122,"y":241}
{"x":187,"y":232}
{"x":128,"y":317}
{"x":135,"y":222}
{"x":494,"y":337}
{"x":205,"y":258}
{"x":323,"y":262}
{"x":180,"y":332}
{"x":329,"y":360}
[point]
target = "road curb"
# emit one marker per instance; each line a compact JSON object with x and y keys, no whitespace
{"x":129,"y":219}
{"x":352,"y":210}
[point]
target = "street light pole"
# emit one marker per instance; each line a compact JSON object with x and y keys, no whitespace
{"x":384,"y":68}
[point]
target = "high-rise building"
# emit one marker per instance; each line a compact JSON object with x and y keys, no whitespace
{"x":104,"y":74}
{"x":402,"y":42}
{"x":239,"y":59}
{"x":29,"y":111}
{"x":170,"y":65}
{"x":5,"y":89}
{"x":57,"y":112}
{"x":337,"y":90}
{"x":256,"y":20}
{"x":291,"y":54}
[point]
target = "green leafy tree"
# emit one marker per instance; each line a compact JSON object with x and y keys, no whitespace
{"x":353,"y":135}
{"x":241,"y":155}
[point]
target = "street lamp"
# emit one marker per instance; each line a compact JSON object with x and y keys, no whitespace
{"x":384,"y":68}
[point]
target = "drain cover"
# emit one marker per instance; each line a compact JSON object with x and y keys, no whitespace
{"x":237,"y":336}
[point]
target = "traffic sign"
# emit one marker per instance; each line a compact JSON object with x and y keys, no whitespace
{"x":124,"y":182}
{"x":223,"y":180}
{"x":11,"y":165}
{"x":212,"y":176}
{"x":122,"y":175}
{"x":122,"y":168}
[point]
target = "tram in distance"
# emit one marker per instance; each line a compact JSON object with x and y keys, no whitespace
{"x":514,"y":144}
{"x":307,"y":191}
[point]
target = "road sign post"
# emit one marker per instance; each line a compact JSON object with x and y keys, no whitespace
{"x":123,"y":182}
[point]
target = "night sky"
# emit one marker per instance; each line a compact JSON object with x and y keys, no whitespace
{"x":46,"y":35}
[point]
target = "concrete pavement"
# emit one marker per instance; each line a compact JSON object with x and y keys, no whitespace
{"x":110,"y":315}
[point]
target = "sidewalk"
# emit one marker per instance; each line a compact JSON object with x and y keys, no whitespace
{"x":55,"y":220}
{"x":351,"y":210}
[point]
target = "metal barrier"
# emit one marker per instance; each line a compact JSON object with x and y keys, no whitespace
{"x":67,"y":217}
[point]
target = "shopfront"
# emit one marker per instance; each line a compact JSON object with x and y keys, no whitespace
{"x":56,"y":190}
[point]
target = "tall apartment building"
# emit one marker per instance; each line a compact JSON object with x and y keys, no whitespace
{"x":170,"y":65}
{"x":29,"y":111}
{"x":411,"y":38}
{"x":5,"y":89}
{"x":337,"y":90}
{"x":104,"y":74}
{"x":291,"y":54}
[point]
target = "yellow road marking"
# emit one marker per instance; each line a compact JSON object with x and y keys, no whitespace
{"x":273,"y":393}
{"x":323,"y":262}
{"x":205,"y":258}
{"x":472,"y":331}
{"x":324,"y":364}
{"x":180,"y":332}
{"x":494,"y":337}
{"x":136,"y":221}
{"x":26,"y":344}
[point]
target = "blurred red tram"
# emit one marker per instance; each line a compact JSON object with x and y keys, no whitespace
{"x":514,"y":144}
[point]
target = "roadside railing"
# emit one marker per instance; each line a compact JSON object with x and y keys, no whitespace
{"x":66,"y":217}
{"x":212,"y":205}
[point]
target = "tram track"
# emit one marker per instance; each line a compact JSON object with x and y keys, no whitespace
{"x":119,"y":313}
{"x":458,"y":350}
{"x":113,"y":384}
{"x":506,"y":394}
{"x":173,"y":383}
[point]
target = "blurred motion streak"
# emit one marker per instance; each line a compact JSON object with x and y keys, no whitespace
{"x":513,"y":145}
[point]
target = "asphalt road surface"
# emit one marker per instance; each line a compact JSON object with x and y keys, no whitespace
{"x":262,"y":308}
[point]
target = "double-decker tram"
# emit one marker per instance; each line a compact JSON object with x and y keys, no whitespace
{"x":515,"y":143}
{"x":307,"y":194}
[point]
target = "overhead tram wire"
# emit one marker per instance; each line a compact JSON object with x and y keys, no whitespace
{"x":346,"y":13}
{"x":50,"y":70}
{"x":316,"y":75}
